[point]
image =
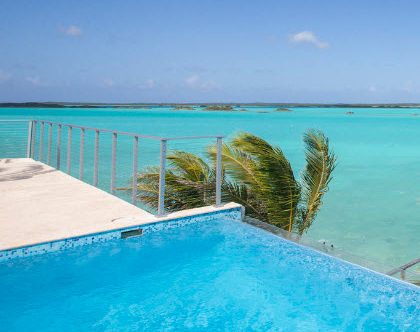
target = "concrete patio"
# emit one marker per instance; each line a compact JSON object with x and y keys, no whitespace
{"x":41,"y":204}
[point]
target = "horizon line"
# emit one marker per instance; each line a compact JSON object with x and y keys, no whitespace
{"x":206,"y":103}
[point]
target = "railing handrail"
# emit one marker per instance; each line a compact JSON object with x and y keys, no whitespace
{"x":32,"y":134}
{"x":191,"y":137}
{"x":403,"y":268}
{"x":17,"y":120}
{"x":126,"y":133}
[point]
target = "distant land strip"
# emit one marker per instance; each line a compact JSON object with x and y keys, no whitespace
{"x":201,"y":105}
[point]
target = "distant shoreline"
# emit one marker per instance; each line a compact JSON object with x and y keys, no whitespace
{"x":200,"y":105}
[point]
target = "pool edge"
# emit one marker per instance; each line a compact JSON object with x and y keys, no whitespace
{"x":228,"y":212}
{"x":339,"y":259}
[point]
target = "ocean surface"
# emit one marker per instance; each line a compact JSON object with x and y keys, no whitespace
{"x":372,"y":209}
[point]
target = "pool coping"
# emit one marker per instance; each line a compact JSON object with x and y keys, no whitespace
{"x":176,"y":219}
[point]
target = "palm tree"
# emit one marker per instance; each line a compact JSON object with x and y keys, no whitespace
{"x":255,"y":174}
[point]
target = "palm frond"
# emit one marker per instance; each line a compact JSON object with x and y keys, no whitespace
{"x":255,"y":174}
{"x":278,"y":188}
{"x":237,"y":164}
{"x":189,"y":183}
{"x":320,"y":163}
{"x":189,"y":166}
{"x":241,"y":194}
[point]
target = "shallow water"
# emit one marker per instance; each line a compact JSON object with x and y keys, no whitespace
{"x":219,"y":275}
{"x":373,"y":206}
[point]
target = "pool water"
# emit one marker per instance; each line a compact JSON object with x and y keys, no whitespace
{"x":210,"y":275}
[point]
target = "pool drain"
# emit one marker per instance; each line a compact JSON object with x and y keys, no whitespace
{"x":131,"y":233}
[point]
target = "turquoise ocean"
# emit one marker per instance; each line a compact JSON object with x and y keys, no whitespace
{"x":372,"y":209}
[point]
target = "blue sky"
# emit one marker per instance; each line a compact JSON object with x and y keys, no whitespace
{"x":210,"y":51}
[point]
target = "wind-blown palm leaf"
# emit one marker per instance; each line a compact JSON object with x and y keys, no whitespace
{"x":189,"y":166}
{"x":255,"y":174}
{"x":240,"y":193}
{"x":148,"y":190}
{"x":320,"y":163}
{"x":242,"y":184}
{"x":190,"y":183}
{"x":237,"y":164}
{"x":278,"y":188}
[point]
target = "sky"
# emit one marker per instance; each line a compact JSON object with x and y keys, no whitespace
{"x":210,"y":51}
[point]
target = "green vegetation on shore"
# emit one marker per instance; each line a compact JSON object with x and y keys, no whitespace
{"x":218,"y":108}
{"x":184,"y":107}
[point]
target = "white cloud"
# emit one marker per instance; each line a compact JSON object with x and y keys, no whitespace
{"x":195,"y":82}
{"x":4,"y":76}
{"x":408,"y":87}
{"x":192,"y":81}
{"x":209,"y":85}
{"x":307,"y":37}
{"x":372,"y":88}
{"x":108,"y":83}
{"x":73,"y":31}
{"x":149,"y":84}
{"x":35,"y":81}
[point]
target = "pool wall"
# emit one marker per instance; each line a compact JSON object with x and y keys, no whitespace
{"x":351,"y":273}
{"x":235,"y":213}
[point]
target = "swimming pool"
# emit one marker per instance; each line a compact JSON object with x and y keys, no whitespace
{"x":209,"y":275}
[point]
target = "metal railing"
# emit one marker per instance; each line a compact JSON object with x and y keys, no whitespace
{"x":43,"y":125}
{"x":403,"y":268}
{"x":15,"y":138}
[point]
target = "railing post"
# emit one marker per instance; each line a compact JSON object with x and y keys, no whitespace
{"x":114,"y":161}
{"x":96,"y":159}
{"x":49,"y":143}
{"x":58,"y":146}
{"x":162,"y":174}
{"x":82,"y":153}
{"x":135,"y":167}
{"x":30,"y":138}
{"x":219,"y":172}
{"x":69,"y":141}
{"x":33,"y":139}
{"x":41,"y":140}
